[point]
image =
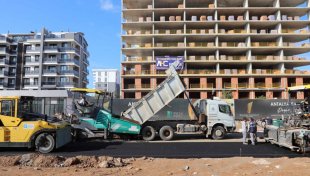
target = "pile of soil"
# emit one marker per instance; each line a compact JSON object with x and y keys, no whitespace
{"x":37,"y":160}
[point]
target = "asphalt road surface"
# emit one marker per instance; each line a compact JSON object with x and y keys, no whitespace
{"x":182,"y":147}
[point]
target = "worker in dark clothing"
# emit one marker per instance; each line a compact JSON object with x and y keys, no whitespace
{"x":253,"y":131}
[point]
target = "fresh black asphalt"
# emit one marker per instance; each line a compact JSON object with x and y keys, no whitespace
{"x":188,"y":149}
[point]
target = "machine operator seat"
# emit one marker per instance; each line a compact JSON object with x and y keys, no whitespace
{"x":84,"y":109}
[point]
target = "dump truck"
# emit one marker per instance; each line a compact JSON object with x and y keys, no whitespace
{"x":211,"y":117}
{"x":293,"y":131}
{"x":21,"y":127}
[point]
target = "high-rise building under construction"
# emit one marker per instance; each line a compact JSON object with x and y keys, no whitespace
{"x":239,"y":48}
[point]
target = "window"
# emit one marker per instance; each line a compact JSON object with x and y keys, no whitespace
{"x":106,"y":73}
{"x":37,"y":57}
{"x":99,"y":73}
{"x":64,"y":79}
{"x":8,"y":108}
{"x":64,"y":56}
{"x":63,"y":67}
{"x":224,"y":109}
{"x":36,"y":81}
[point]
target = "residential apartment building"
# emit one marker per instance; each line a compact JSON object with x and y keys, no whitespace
{"x":43,"y":60}
{"x":106,"y":79}
{"x":250,"y":48}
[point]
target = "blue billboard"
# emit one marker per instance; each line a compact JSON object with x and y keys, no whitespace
{"x":163,"y":62}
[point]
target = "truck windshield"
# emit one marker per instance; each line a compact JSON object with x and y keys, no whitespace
{"x":224,"y":109}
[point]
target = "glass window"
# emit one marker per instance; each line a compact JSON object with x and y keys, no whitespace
{"x":8,"y":108}
{"x":224,"y":109}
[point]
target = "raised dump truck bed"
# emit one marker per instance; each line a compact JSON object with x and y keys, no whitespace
{"x":158,"y":98}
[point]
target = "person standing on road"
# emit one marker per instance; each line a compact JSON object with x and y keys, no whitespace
{"x":244,"y":129}
{"x":253,"y":130}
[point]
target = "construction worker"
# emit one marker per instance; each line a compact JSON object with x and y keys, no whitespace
{"x":244,"y":129}
{"x":253,"y":130}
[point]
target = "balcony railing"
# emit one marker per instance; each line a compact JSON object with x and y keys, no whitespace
{"x":31,"y":72}
{"x":49,"y":83}
{"x":33,"y":49}
{"x":129,"y":72}
{"x":67,"y":84}
{"x":243,"y":85}
{"x":3,"y":84}
{"x":4,"y":61}
{"x":66,"y":72}
{"x":50,"y":60}
{"x":31,"y":84}
{"x":69,"y":61}
{"x":3,"y":73}
{"x":260,"y":85}
{"x":50,"y":71}
{"x":195,"y":86}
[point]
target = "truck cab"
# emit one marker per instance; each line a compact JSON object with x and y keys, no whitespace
{"x":218,"y":117}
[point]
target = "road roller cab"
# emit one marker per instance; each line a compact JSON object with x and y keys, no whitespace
{"x":21,"y":127}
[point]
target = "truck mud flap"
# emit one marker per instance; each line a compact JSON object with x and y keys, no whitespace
{"x":63,"y":136}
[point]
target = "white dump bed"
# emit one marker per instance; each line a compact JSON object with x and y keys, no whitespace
{"x":158,"y":98}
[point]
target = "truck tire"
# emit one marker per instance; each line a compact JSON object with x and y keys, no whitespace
{"x":166,"y":133}
{"x":148,"y":133}
{"x":45,"y":143}
{"x":218,"y":133}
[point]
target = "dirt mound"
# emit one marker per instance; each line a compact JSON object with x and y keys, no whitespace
{"x":36,"y":160}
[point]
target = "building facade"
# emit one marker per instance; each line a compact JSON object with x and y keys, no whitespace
{"x":107,"y":80}
{"x":245,"y":48}
{"x":43,"y":60}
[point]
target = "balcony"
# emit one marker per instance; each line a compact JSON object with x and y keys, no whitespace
{"x":266,"y":71}
{"x":31,"y":72}
{"x":51,"y":48}
{"x":3,"y":84}
{"x":31,"y":84}
{"x":67,"y":84}
{"x":3,"y":39}
{"x":34,"y":49}
{"x":69,"y":72}
{"x":49,"y":84}
{"x":52,"y":72}
{"x":260,"y":85}
{"x":243,"y":85}
{"x":3,"y":73}
{"x":3,"y":50}
{"x":129,"y":72}
{"x":69,"y":61}
{"x":69,"y":49}
{"x":4,"y":62}
{"x":32,"y":62}
{"x":50,"y":60}
{"x":12,"y":74}
{"x":204,"y":71}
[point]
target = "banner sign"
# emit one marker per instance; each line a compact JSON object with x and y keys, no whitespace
{"x":163,"y":62}
{"x":263,"y":108}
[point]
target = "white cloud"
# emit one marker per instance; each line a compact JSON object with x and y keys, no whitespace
{"x":106,"y":5}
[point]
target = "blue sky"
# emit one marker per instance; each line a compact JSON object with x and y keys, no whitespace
{"x":99,"y":20}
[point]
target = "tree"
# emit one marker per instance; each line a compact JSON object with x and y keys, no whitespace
{"x":227,"y":94}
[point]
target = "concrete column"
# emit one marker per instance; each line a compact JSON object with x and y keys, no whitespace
{"x":268,"y":82}
{"x":219,"y":83}
{"x":300,"y":95}
{"x":203,"y":83}
{"x":252,"y":95}
{"x":186,"y":82}
{"x":299,"y":81}
{"x":138,"y":69}
{"x":269,"y":95}
{"x":138,"y":95}
{"x":234,"y":83}
{"x":138,"y":83}
{"x":251,"y":82}
{"x":203,"y":95}
{"x":235,"y":94}
{"x":153,"y":82}
{"x":152,"y":69}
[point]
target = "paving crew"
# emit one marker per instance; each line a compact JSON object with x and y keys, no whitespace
{"x":253,"y":130}
{"x":244,"y":129}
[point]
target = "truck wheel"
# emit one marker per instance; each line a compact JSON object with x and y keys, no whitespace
{"x":218,"y":133}
{"x":166,"y":133}
{"x":45,"y":143}
{"x":148,"y":133}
